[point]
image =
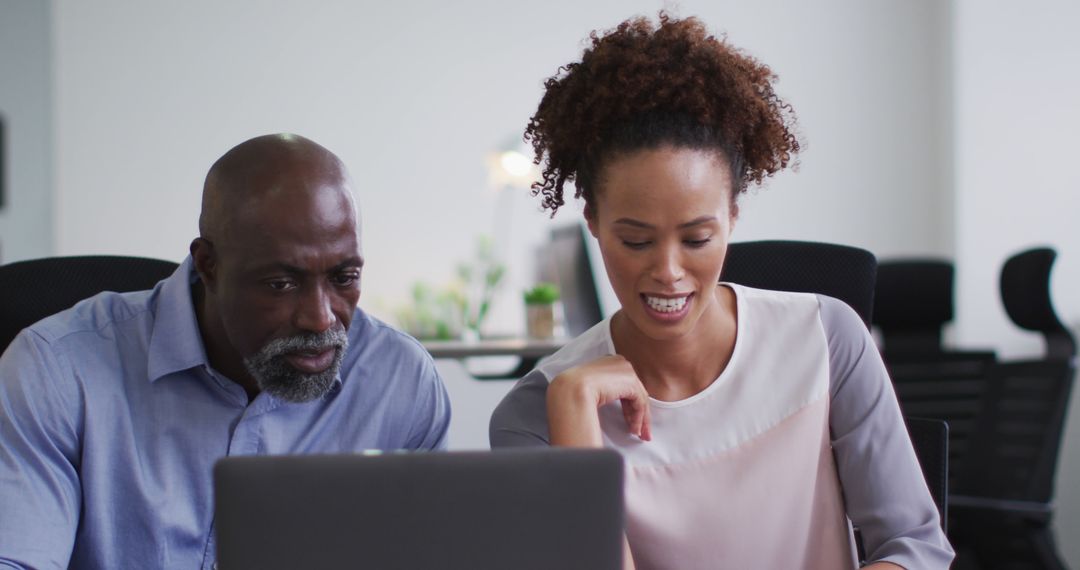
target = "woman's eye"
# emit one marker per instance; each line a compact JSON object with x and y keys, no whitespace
{"x":635,"y":244}
{"x":696,"y":243}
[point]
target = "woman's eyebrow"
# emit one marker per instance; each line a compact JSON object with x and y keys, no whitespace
{"x":697,"y":221}
{"x":639,"y":224}
{"x":634,"y":223}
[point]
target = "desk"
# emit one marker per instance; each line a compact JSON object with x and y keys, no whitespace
{"x":529,"y":351}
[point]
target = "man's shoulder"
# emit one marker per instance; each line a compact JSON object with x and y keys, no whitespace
{"x":392,"y":374}
{"x":374,"y":343}
{"x":76,"y":354}
{"x":92,"y":319}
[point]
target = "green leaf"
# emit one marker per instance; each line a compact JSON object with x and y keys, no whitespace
{"x":542,"y":294}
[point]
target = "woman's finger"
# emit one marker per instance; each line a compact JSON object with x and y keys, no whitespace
{"x":636,"y":412}
{"x":628,"y":414}
{"x":646,"y":423}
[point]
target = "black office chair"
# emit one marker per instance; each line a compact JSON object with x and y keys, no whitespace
{"x":34,"y":289}
{"x":846,"y":273}
{"x":913,"y":301}
{"x":1025,"y":292}
{"x":1002,"y":517}
{"x":948,"y":386}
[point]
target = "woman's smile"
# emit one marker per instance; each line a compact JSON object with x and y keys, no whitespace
{"x":667,"y":308}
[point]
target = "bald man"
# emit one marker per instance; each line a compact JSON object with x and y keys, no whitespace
{"x":113,"y":412}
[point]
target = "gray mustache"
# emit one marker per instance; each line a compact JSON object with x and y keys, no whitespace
{"x":333,"y":338}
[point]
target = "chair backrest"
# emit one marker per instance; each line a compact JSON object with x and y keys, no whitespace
{"x":844,"y":272}
{"x":1021,"y":414}
{"x":930,"y":438}
{"x":1019,"y":431}
{"x":913,"y":301}
{"x":1025,"y":292}
{"x":32,"y":290}
{"x":947,"y":386}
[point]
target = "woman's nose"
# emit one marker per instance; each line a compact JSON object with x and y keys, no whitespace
{"x":667,"y":268}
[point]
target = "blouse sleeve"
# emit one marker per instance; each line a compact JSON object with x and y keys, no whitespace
{"x":520,"y":420}
{"x":884,"y":489}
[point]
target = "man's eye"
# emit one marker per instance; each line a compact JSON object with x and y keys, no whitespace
{"x":280,"y":285}
{"x":346,"y":279}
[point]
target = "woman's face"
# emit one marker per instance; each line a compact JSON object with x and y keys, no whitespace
{"x":663,"y":218}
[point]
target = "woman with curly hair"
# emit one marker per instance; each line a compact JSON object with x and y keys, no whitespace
{"x":754,"y":424}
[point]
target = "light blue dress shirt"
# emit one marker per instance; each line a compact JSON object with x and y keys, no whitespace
{"x":111,"y":419}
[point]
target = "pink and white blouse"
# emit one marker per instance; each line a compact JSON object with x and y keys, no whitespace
{"x":799,"y":437}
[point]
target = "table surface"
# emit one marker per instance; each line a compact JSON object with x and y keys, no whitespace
{"x":526,"y":348}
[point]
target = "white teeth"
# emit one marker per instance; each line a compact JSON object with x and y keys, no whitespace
{"x":666,"y":305}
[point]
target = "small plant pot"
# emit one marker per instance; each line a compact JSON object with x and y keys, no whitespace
{"x":540,"y":320}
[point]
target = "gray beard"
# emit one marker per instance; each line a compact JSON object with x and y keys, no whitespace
{"x":275,"y":375}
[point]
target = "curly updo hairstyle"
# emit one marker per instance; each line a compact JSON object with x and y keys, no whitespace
{"x":642,"y":86}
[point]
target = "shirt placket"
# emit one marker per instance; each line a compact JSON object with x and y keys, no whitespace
{"x":246,"y":439}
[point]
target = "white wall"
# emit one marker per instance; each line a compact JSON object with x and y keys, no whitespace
{"x":1017,"y":101}
{"x":413,"y":96}
{"x":26,"y":221}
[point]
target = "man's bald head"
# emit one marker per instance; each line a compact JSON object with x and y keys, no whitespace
{"x":263,"y":169}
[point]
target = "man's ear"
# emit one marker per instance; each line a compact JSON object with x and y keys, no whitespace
{"x":204,"y":258}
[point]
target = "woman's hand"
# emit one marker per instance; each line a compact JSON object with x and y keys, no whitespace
{"x":575,"y":395}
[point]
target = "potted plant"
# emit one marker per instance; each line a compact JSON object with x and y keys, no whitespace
{"x":540,"y":310}
{"x":457,"y":310}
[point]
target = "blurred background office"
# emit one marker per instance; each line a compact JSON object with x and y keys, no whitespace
{"x":933,"y":128}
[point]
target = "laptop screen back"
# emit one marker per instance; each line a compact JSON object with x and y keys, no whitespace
{"x":519,"y":509}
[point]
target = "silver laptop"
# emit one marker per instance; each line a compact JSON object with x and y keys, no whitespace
{"x":520,"y":509}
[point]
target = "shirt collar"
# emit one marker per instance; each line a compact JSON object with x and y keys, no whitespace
{"x":175,"y":342}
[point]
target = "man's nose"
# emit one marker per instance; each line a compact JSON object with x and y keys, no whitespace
{"x":315,"y":312}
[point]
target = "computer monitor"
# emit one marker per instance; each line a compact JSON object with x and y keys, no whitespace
{"x":564,"y":261}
